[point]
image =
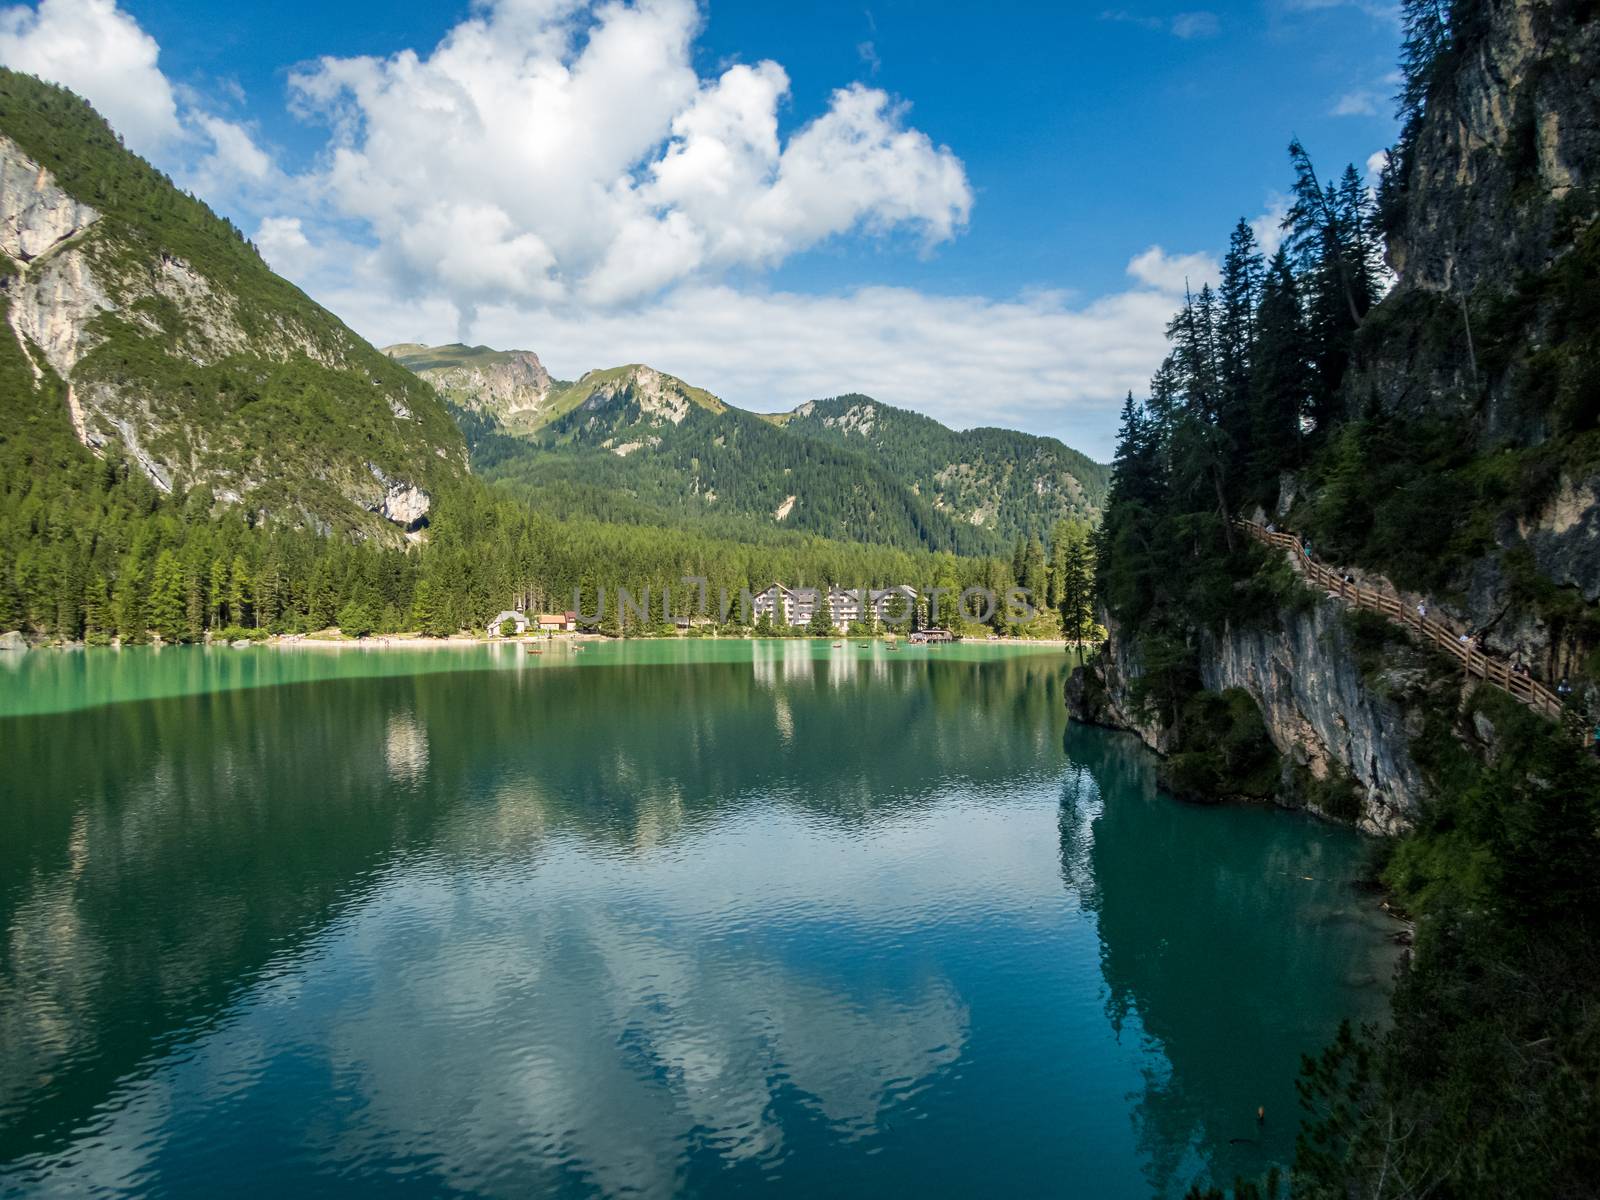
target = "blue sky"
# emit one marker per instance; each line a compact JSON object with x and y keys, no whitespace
{"x":955,"y":235}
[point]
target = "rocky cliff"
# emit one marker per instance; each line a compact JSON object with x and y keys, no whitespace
{"x":1490,"y":218}
{"x":169,"y":341}
{"x":1504,"y":161}
{"x":512,"y":386}
{"x":1332,"y":723}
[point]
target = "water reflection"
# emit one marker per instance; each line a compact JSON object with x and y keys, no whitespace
{"x":668,"y":925}
{"x":270,"y":810}
{"x":1183,"y":899}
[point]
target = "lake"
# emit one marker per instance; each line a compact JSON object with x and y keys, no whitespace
{"x":654,"y":918}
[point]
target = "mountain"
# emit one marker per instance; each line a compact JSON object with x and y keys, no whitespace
{"x":634,"y":443}
{"x":631,"y":443}
{"x":146,"y":328}
{"x":1014,"y":483}
{"x":510,"y":386}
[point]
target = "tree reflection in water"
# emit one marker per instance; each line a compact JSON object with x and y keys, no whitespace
{"x":1219,"y":931}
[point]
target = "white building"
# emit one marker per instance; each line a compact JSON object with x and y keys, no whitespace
{"x":775,"y":603}
{"x":794,"y":607}
{"x":846,"y":605}
{"x":517,"y":619}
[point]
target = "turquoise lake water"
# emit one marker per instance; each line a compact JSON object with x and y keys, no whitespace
{"x":685,"y":918}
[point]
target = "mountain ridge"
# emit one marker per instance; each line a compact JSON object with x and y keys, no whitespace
{"x":1002,"y":484}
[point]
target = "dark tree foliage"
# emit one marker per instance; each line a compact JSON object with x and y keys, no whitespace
{"x":1488,"y":1080}
{"x":1331,"y":235}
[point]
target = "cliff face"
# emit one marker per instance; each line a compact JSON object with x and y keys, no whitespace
{"x":1493,"y":324}
{"x":1322,"y":713}
{"x":166,"y":339}
{"x":510,"y":385}
{"x":1511,"y":140}
{"x":1324,"y":716}
{"x":1498,"y":188}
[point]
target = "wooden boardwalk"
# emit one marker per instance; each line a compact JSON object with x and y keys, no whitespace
{"x":1474,"y":661}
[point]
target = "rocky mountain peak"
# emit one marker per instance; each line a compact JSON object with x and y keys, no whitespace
{"x":511,"y":385}
{"x":661,"y":398}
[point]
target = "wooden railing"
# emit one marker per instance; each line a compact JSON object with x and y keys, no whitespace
{"x":1473,"y":660}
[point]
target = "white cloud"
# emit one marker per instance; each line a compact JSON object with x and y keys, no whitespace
{"x":99,"y":51}
{"x":601,"y":167}
{"x":283,"y":243}
{"x":1370,"y":99}
{"x":1268,"y":227}
{"x":1378,"y":10}
{"x":555,"y":175}
{"x":233,"y":150}
{"x":1174,"y":273}
{"x":1189,"y":26}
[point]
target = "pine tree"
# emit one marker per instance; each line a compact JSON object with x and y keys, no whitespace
{"x":821,"y":617}
{"x":1033,"y":575}
{"x":169,"y":609}
{"x":269,"y":596}
{"x":1076,"y":590}
{"x":1425,"y":26}
{"x":194,"y":606}
{"x":356,"y":619}
{"x":98,"y":613}
{"x":1239,"y":298}
{"x":129,"y":604}
{"x":217,"y":615}
{"x":425,"y":612}
{"x":239,"y":593}
{"x":1058,"y":561}
{"x":1278,"y":393}
{"x":70,"y":586}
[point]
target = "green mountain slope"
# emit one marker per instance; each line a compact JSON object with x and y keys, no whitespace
{"x":631,"y":443}
{"x":1015,"y":484}
{"x":678,"y":454}
{"x":160,"y":334}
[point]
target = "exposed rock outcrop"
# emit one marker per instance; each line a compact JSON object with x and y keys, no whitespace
{"x":402,"y":502}
{"x":162,"y":332}
{"x":1321,"y":713}
{"x":1511,"y":135}
{"x":661,"y":398}
{"x":35,"y":214}
{"x":1499,"y":187}
{"x":511,"y":385}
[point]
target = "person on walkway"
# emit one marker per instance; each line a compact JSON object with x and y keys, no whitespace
{"x":1422,"y":612}
{"x":1563,"y":689}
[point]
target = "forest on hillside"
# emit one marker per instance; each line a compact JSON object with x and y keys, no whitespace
{"x":1270,"y":403}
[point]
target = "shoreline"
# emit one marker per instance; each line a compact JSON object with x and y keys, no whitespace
{"x":408,"y":641}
